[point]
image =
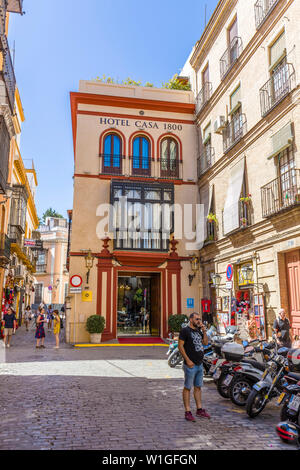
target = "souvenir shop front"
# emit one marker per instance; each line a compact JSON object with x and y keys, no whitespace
{"x":244,"y":306}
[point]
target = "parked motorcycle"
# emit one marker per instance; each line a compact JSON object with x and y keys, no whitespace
{"x":248,"y":372}
{"x":270,"y":385}
{"x":290,"y":397}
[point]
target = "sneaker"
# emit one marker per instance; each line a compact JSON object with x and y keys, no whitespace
{"x":202,"y":414}
{"x":8,"y":345}
{"x":189,"y":416}
{"x":42,"y":346}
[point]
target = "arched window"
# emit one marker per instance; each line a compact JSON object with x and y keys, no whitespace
{"x":141,"y":162}
{"x":112,"y":154}
{"x":169,"y":158}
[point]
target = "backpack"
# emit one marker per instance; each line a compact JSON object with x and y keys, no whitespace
{"x":61,"y":324}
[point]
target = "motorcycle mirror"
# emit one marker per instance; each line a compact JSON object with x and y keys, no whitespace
{"x":245,"y":343}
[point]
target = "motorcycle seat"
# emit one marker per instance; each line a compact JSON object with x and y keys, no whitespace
{"x":293,"y":375}
{"x":256,"y":364}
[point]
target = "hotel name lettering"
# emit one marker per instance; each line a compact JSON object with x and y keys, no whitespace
{"x":140,"y":124}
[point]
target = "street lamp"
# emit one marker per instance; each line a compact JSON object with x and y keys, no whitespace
{"x":89,"y":262}
{"x":216,"y":279}
{"x":247,"y":273}
{"x":195,"y":267}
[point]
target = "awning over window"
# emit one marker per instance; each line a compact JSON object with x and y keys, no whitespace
{"x":231,"y":215}
{"x":281,"y":140}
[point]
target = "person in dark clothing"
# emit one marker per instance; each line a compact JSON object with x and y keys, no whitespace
{"x":192,"y":338}
{"x":283,"y":330}
{"x":10,"y":325}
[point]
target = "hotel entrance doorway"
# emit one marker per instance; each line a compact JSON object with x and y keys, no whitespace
{"x":139,"y":306}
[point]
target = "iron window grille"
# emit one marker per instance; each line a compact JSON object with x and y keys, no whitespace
{"x":146,"y":221}
{"x":203,"y":96}
{"x":234,"y":131}
{"x":263,"y":8}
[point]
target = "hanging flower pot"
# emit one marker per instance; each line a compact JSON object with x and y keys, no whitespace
{"x":246,"y":199}
{"x":212,"y":218}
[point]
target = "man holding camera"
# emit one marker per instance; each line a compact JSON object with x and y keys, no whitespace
{"x":192,"y":338}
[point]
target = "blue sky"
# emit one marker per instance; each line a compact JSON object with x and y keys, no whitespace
{"x":59,"y":42}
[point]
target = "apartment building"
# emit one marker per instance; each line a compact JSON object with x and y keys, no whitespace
{"x":244,"y":72}
{"x":51,"y":274}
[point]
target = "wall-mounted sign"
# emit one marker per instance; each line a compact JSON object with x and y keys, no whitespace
{"x":75,"y":290}
{"x":87,"y":296}
{"x":141,"y":124}
{"x":76,"y":280}
{"x":33,"y":243}
{"x":190,"y":303}
{"x":229,"y":272}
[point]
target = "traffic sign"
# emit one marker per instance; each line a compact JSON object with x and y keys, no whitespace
{"x":229,"y":272}
{"x":75,"y":290}
{"x":229,"y":285}
{"x":76,"y":280}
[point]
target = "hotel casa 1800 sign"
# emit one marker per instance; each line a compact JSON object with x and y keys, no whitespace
{"x":139,"y":124}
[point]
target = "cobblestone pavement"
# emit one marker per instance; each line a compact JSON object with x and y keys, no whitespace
{"x":113,"y":398}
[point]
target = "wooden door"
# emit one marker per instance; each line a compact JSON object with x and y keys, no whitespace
{"x":155,"y":305}
{"x":293,"y":280}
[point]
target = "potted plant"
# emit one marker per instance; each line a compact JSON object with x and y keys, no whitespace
{"x":246,"y":199}
{"x":212,"y":218}
{"x":95,"y":326}
{"x":175,"y":322}
{"x":244,"y":222}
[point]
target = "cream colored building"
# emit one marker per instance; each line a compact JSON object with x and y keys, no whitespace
{"x":52,"y":278}
{"x":140,"y":143}
{"x":244,"y":72}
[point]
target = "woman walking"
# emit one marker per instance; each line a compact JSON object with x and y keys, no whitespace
{"x":56,"y":328}
{"x":40,"y":331}
{"x":27,"y":317}
{"x":49,"y":317}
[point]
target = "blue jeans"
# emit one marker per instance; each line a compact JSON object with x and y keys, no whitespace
{"x":193,"y":376}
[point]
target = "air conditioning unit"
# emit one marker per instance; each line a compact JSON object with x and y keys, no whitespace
{"x":219,"y":125}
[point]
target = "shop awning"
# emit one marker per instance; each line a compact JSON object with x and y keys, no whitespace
{"x":231,"y":214}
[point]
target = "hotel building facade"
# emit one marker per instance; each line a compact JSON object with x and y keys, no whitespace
{"x":138,"y":143}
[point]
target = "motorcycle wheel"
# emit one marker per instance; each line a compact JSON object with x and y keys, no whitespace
{"x":222,"y":389}
{"x":235,"y":390}
{"x":174,"y":359}
{"x":256,"y":402}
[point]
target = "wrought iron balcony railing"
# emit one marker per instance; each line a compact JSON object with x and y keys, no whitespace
{"x":234,"y":131}
{"x":211,"y":228}
{"x":4,"y":154}
{"x":206,"y":160}
{"x":281,"y":194}
{"x":111,"y":164}
{"x":203,"y":96}
{"x":277,"y":88}
{"x":245,"y":219}
{"x":3,"y":9}
{"x":4,"y":249}
{"x":141,"y":165}
{"x":263,"y":9}
{"x":41,"y":268}
{"x":15,"y":234}
{"x":170,"y":168}
{"x":8,"y":73}
{"x":230,"y":56}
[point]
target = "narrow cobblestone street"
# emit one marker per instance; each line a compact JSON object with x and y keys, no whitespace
{"x":111,"y":398}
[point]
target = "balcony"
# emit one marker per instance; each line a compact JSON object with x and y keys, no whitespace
{"x":283,"y":193}
{"x":263,"y":8}
{"x":234,"y":131}
{"x":8,"y":73}
{"x":15,"y":235}
{"x":206,"y":160}
{"x":4,"y":249}
{"x":3,"y":10}
{"x":41,"y":268}
{"x":203,"y":96}
{"x":277,"y":88}
{"x":111,"y":164}
{"x":211,"y":230}
{"x":140,"y":167}
{"x":245,"y":219}
{"x":230,"y":56}
{"x":15,"y":6}
{"x":4,"y":154}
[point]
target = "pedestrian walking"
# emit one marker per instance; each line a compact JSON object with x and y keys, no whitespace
{"x":49,"y":317}
{"x":56,"y":327}
{"x":283,"y":330}
{"x":40,"y":331}
{"x":10,"y":325}
{"x":27,"y":317}
{"x":192,"y":340}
